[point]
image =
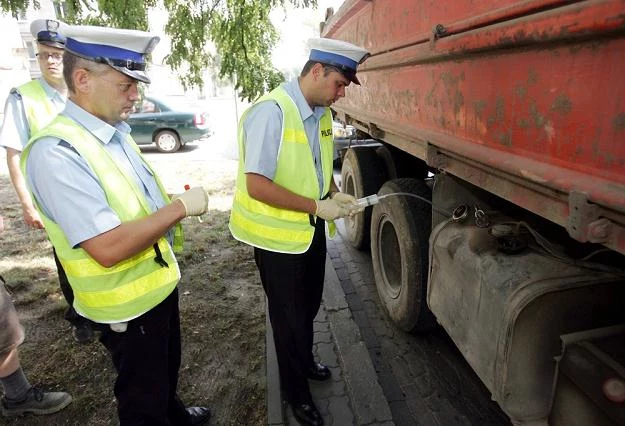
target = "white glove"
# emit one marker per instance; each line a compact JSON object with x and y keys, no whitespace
{"x":195,"y":201}
{"x":343,"y":198}
{"x":349,"y":202}
{"x":330,"y":209}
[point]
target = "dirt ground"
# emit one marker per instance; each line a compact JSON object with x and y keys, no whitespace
{"x":221,"y":303}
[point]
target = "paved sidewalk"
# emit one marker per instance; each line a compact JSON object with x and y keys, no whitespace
{"x":353,"y":396}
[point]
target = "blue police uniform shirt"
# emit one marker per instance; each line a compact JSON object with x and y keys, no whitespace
{"x":263,"y":132}
{"x":15,"y":131}
{"x":67,"y":189}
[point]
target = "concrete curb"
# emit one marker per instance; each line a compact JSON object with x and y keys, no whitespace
{"x":365,"y":393}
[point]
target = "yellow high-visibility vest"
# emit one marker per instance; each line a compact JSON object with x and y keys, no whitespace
{"x":271,"y":228}
{"x":135,"y":285}
{"x":38,"y":107}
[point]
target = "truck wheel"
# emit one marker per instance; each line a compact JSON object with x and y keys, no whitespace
{"x":167,"y":141}
{"x":399,"y":164}
{"x":386,"y":157}
{"x":362,"y":174}
{"x":400,"y":230}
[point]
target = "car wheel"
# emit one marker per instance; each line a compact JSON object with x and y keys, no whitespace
{"x":167,"y":141}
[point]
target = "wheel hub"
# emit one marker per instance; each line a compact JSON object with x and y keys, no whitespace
{"x":390,"y":254}
{"x":167,"y":142}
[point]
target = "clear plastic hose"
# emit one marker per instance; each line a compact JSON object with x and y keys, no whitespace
{"x":375,"y":199}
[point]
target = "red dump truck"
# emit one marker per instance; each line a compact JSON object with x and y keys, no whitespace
{"x":505,"y":122}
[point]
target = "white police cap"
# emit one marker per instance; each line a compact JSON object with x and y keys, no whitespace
{"x":123,"y":50}
{"x":340,"y":54}
{"x":49,"y":32}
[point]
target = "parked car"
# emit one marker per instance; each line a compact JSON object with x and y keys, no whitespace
{"x":167,"y":124}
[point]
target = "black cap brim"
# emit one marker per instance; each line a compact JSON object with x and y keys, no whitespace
{"x":52,"y":44}
{"x":351,"y":77}
{"x":141,"y":76}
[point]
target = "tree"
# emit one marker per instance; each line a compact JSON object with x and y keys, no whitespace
{"x":240,"y":30}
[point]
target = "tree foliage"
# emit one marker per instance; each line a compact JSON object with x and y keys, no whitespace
{"x":240,"y":31}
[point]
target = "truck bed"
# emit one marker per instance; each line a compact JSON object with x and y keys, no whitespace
{"x":525,"y":99}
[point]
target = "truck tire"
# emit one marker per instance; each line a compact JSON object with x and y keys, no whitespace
{"x":388,"y":160}
{"x":399,"y":164}
{"x":400,"y":232}
{"x":362,"y":174}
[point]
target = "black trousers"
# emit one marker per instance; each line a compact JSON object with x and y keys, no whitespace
{"x":147,"y":359}
{"x":293,"y":284}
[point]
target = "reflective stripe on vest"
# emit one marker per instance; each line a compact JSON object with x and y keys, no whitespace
{"x":133,"y":286}
{"x":271,"y":228}
{"x":38,"y":107}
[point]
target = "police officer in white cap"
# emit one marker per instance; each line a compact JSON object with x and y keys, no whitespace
{"x":285,"y":195}
{"x":112,"y":224}
{"x":29,"y":108}
{"x":33,"y":105}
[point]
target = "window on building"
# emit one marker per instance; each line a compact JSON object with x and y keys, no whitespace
{"x":31,"y":49}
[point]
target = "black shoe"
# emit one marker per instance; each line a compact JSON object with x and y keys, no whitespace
{"x":319,"y":372}
{"x":307,"y":414}
{"x":199,"y":415}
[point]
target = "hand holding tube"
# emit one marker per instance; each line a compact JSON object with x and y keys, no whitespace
{"x":343,"y":198}
{"x":349,"y":202}
{"x":330,"y":209}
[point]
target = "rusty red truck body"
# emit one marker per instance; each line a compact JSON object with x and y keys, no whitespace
{"x":509,"y":117}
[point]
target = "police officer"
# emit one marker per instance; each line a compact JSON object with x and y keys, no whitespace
{"x":29,"y":108}
{"x":33,"y":105}
{"x":112,"y":224}
{"x":284,"y":195}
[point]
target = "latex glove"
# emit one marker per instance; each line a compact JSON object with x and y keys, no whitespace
{"x":348,"y":201}
{"x":195,"y":201}
{"x":354,"y":209}
{"x":343,"y":198}
{"x":330,"y":209}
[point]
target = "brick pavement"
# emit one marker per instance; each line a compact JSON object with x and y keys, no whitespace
{"x":381,"y":375}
